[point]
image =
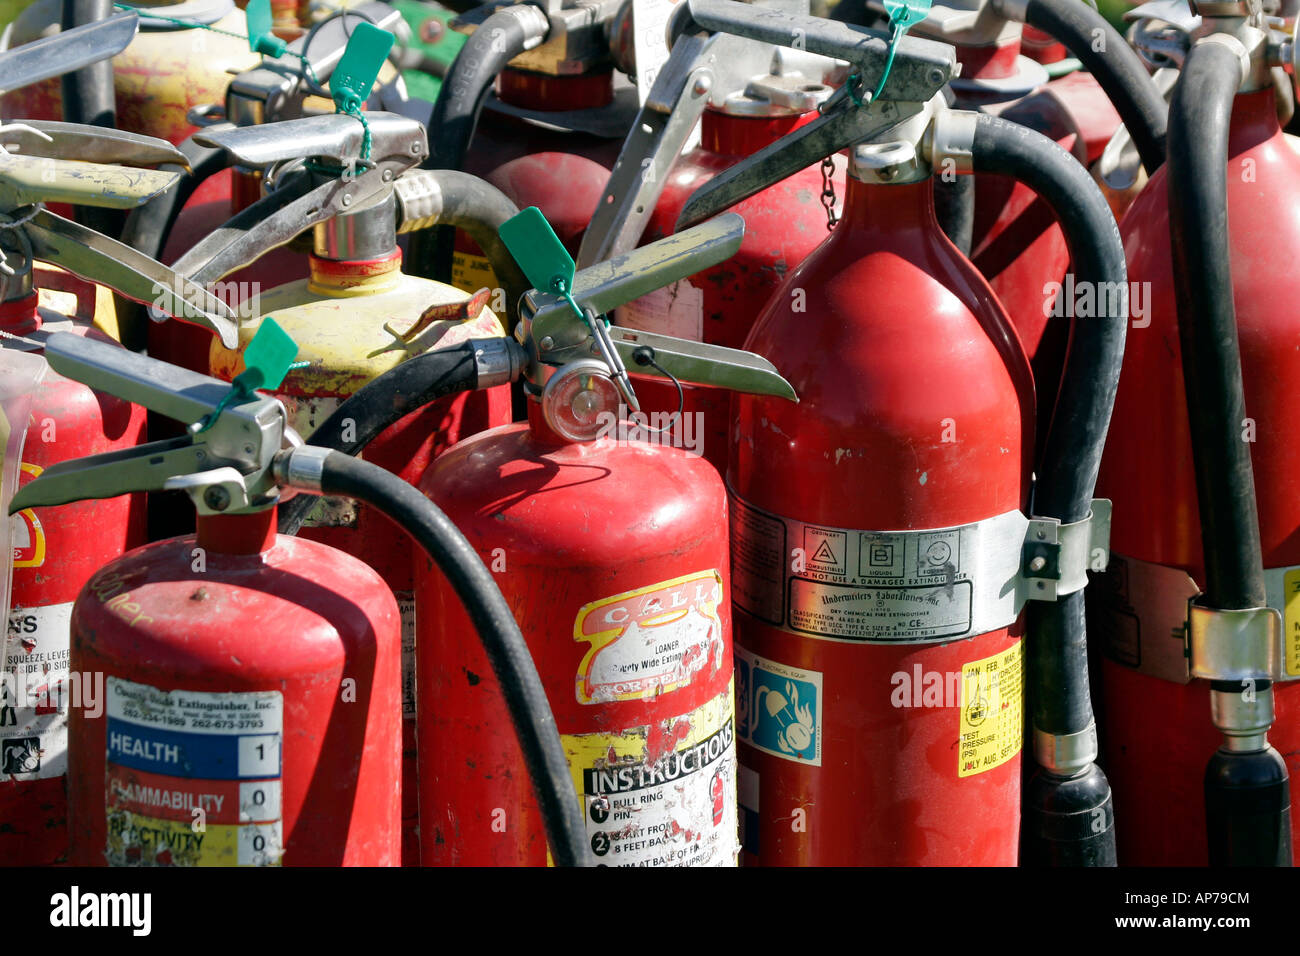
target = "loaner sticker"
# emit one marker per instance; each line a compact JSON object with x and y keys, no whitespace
{"x":650,"y":641}
{"x":193,"y":778}
{"x":992,"y":711}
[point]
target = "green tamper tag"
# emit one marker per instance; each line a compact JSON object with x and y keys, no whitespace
{"x":268,"y":357}
{"x":267,"y":360}
{"x":903,"y":15}
{"x":260,"y":38}
{"x":538,"y":250}
{"x":360,"y":64}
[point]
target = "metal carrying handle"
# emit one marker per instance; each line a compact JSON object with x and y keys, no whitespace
{"x":919,"y":70}
{"x":235,"y":454}
{"x":66,"y":51}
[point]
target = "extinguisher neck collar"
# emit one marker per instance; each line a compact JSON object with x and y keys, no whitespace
{"x":19,"y":316}
{"x":250,"y":532}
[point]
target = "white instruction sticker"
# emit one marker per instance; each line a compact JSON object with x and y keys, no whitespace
{"x":36,"y":693}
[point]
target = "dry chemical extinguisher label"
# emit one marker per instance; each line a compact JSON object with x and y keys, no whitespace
{"x":1291,"y":622}
{"x":663,"y":794}
{"x":779,"y":708}
{"x":992,"y":711}
{"x":193,"y":778}
{"x":35,"y":694}
{"x":881,"y":587}
{"x":650,"y":641}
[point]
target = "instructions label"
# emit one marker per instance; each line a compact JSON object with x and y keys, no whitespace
{"x":650,"y":641}
{"x":779,"y":708}
{"x":193,"y":778}
{"x":883,"y":587}
{"x":1291,"y":622}
{"x":34,"y":695}
{"x":992,"y":711}
{"x":661,"y":795}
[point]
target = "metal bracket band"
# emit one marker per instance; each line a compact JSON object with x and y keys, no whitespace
{"x":1058,"y":557}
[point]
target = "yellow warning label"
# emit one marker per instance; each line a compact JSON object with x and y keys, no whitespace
{"x":135,"y":840}
{"x":1291,"y":619}
{"x":663,"y":794}
{"x":992,"y":711}
{"x":471,"y":273}
{"x":26,"y":535}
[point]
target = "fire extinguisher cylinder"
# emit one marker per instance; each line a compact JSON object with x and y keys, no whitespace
{"x":1246,"y":782}
{"x":334,"y":473}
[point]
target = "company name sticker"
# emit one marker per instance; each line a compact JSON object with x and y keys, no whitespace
{"x":650,"y":641}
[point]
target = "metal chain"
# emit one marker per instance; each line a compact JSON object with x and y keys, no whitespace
{"x":828,"y":192}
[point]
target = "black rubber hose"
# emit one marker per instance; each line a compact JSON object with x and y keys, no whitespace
{"x":497,"y":41}
{"x":148,"y":227}
{"x":384,"y":401}
{"x":1199,"y":115}
{"x":512,"y":663}
{"x":1101,"y":49}
{"x":500,"y":38}
{"x":1247,"y":798}
{"x":1067,"y":469}
{"x":1071,"y":457}
{"x":89,"y":98}
{"x":479,"y":209}
{"x":954,"y":207}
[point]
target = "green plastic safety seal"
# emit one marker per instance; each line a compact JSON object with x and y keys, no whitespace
{"x":538,"y":250}
{"x":260,"y":38}
{"x":267,"y":360}
{"x":359,"y":67}
{"x":903,"y":15}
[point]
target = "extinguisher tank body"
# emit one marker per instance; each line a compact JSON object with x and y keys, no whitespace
{"x":872,"y":727}
{"x":337,"y":318}
{"x":55,"y":551}
{"x":613,"y":557}
{"x":1155,"y":726}
{"x":250,"y":710}
{"x":783,"y":224}
{"x":561,"y":172}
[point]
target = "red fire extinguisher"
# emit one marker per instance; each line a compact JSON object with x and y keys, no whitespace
{"x":1013,"y":240}
{"x":56,"y":550}
{"x":250,"y":703}
{"x":877,"y":573}
{"x":744,"y":96}
{"x":359,"y":314}
{"x":632,"y":634}
{"x":1202,"y":241}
